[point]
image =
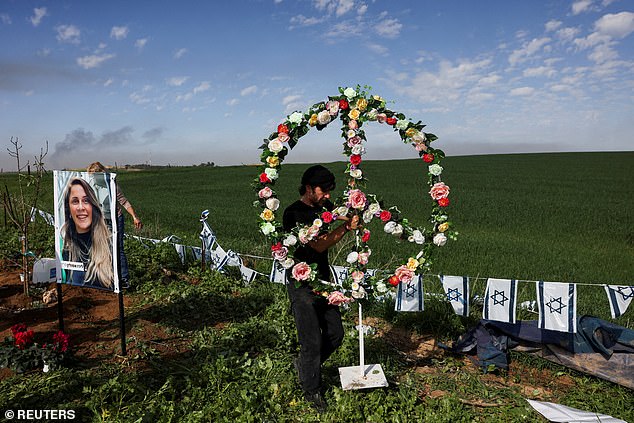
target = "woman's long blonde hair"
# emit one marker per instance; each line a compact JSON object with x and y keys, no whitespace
{"x":100,"y":261}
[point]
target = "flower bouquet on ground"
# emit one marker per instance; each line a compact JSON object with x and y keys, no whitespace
{"x":21,"y":353}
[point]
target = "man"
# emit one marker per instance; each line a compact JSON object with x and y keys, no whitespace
{"x":319,"y":327}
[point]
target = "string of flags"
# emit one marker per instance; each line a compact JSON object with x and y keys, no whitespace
{"x":556,"y":301}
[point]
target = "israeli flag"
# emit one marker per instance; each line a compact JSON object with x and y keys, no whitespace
{"x":557,"y":304}
{"x":216,"y":258}
{"x":620,"y":298}
{"x":248,"y":275}
{"x":500,"y":299}
{"x":197,"y":252}
{"x":409,"y":296}
{"x":339,"y":274}
{"x":180,"y":250}
{"x":457,"y":290}
{"x":278,"y":273}
{"x":207,"y":236}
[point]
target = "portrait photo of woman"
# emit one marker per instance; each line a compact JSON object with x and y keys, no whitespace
{"x":86,"y":241}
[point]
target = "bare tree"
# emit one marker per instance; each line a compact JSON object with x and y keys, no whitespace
{"x":21,"y":203}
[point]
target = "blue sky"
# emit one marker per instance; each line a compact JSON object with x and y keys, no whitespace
{"x":185,"y":82}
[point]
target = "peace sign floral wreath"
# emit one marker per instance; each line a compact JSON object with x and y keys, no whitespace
{"x":354,"y":107}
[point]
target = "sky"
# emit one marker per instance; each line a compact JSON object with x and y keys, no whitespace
{"x":188,"y":82}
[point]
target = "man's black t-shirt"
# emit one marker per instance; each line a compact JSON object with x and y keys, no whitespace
{"x":300,"y":213}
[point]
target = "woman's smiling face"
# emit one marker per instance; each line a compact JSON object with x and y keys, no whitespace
{"x":80,"y":209}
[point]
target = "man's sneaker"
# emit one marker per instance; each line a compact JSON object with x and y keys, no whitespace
{"x":317,"y":402}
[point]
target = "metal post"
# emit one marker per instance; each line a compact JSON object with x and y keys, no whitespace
{"x":122,"y":324}
{"x":361,"y":347}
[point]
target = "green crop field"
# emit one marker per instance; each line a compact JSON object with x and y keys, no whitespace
{"x":561,"y":217}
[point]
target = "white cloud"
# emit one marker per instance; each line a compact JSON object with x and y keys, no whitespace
{"x":140,"y":43}
{"x":68,"y":34}
{"x":44,"y":52}
{"x":581,"y":6}
{"x":139,"y":98}
{"x":618,"y":25}
{"x":6,"y":19}
{"x":552,"y":25}
{"x":301,"y":20}
{"x":176,"y":81}
{"x":491,"y":79}
{"x":38,"y":15}
{"x":389,"y":28}
{"x":567,"y":34}
{"x":94,"y":60}
{"x":363,"y":8}
{"x":338,"y":7}
{"x":527,"y":50}
{"x":108,"y":82}
{"x":539,"y":71}
{"x":591,"y":40}
{"x":180,"y":53}
{"x":290,"y":99}
{"x":202,"y":87}
{"x":233,"y":102}
{"x":522,"y":91}
{"x":377,"y":48}
{"x":119,"y":32}
{"x":344,"y":7}
{"x":249,"y":90}
{"x":603,"y":53}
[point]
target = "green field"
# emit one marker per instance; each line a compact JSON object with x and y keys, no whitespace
{"x":566,"y":217}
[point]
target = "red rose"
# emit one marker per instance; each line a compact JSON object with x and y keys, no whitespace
{"x":18,"y":327}
{"x":428,"y":158}
{"x":276,"y":247}
{"x":366,"y":236}
{"x":264,"y":178}
{"x":355,"y":159}
{"x":343,"y":104}
{"x":23,"y":339}
{"x":391,"y":121}
{"x":394,"y":280}
{"x":443,"y":202}
{"x":326,"y":217}
{"x":282,"y":129}
{"x":385,"y":215}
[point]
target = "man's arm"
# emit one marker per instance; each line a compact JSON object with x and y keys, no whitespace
{"x":327,"y":240}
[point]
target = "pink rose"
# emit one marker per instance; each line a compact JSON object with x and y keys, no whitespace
{"x":333,"y":107}
{"x":265,"y":192}
{"x":353,"y":124}
{"x":356,"y":140}
{"x":302,"y":271}
{"x":357,"y":276}
{"x":280,"y":254}
{"x":337,"y":298}
{"x":381,"y":117}
{"x":404,"y":274}
{"x":283,"y":137}
{"x":364,"y":258}
{"x":439,"y":190}
{"x":357,"y":199}
{"x":419,"y":146}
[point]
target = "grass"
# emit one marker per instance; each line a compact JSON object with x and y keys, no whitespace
{"x":556,"y":217}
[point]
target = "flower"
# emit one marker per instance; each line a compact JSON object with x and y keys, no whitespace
{"x":364,"y":257}
{"x":428,"y":158}
{"x":23,"y":339}
{"x":272,"y":203}
{"x":443,"y":227}
{"x":359,"y":293}
{"x":267,"y":228}
{"x":264,"y":178}
{"x":371,"y":115}
{"x":435,"y":169}
{"x":349,"y":92}
{"x":327,"y":217}
{"x":389,"y":227}
{"x":439,"y":190}
{"x":296,"y":117}
{"x":417,"y":237}
{"x":283,"y":137}
{"x":362,"y":104}
{"x":391,"y":121}
{"x":404,"y":274}
{"x":355,"y":159}
{"x":282,"y":129}
{"x":358,"y":150}
{"x":337,"y":298}
{"x":356,"y":173}
{"x":267,"y":215}
{"x":275,"y":146}
{"x":354,"y":114}
{"x":323,"y":117}
{"x":394,"y":280}
{"x":411,"y":132}
{"x":290,"y":240}
{"x":412,"y":263}
{"x":381,"y":117}
{"x":357,"y":276}
{"x":443,"y":202}
{"x":366,"y":235}
{"x":440,"y":239}
{"x":271,"y":173}
{"x":374,"y":208}
{"x":398,"y":230}
{"x":280,"y":254}
{"x":343,"y":104}
{"x":353,"y":124}
{"x":353,"y":257}
{"x":18,"y":327}
{"x":385,"y":215}
{"x":402,"y":124}
{"x":287,"y":263}
{"x":265,"y":192}
{"x":333,"y":107}
{"x":273,"y":161}
{"x":367,"y":216}
{"x":302,"y":271}
{"x":61,"y":341}
{"x":312,"y":121}
{"x":357,"y":199}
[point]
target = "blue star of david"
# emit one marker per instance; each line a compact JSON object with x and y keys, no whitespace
{"x":622,"y":290}
{"x":454,"y":294}
{"x":555,"y":308}
{"x":343,"y":274}
{"x":499,"y":298}
{"x":410,"y":291}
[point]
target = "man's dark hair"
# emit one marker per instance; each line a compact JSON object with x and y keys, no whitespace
{"x":317,"y":176}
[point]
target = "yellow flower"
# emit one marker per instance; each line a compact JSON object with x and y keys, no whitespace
{"x":443,"y":227}
{"x":273,"y":161}
{"x":354,"y":114}
{"x":377,"y":97}
{"x":267,"y":215}
{"x":411,"y":132}
{"x":313,"y":119}
{"x":362,"y":104}
{"x":412,"y":263}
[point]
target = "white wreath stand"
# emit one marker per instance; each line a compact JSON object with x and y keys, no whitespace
{"x":362,"y":376}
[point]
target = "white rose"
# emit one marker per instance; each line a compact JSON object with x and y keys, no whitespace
{"x":267,"y":228}
{"x":355,"y":286}
{"x":440,"y":239}
{"x":381,"y":288}
{"x":318,"y":223}
{"x":402,"y":124}
{"x":341,"y":211}
{"x":290,"y":240}
{"x":271,"y":173}
{"x":323,"y":117}
{"x":367,"y":216}
{"x":351,"y":133}
{"x":356,"y":173}
{"x":374,"y":208}
{"x":360,"y":293}
{"x":352,"y":257}
{"x":273,"y":203}
{"x":417,"y":237}
{"x":371,"y":115}
{"x":419,"y":137}
{"x":358,"y":149}
{"x":435,"y":169}
{"x":296,"y":117}
{"x":398,"y":230}
{"x":276,"y":145}
{"x":349,"y":92}
{"x":287,"y":263}
{"x":390,"y":226}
